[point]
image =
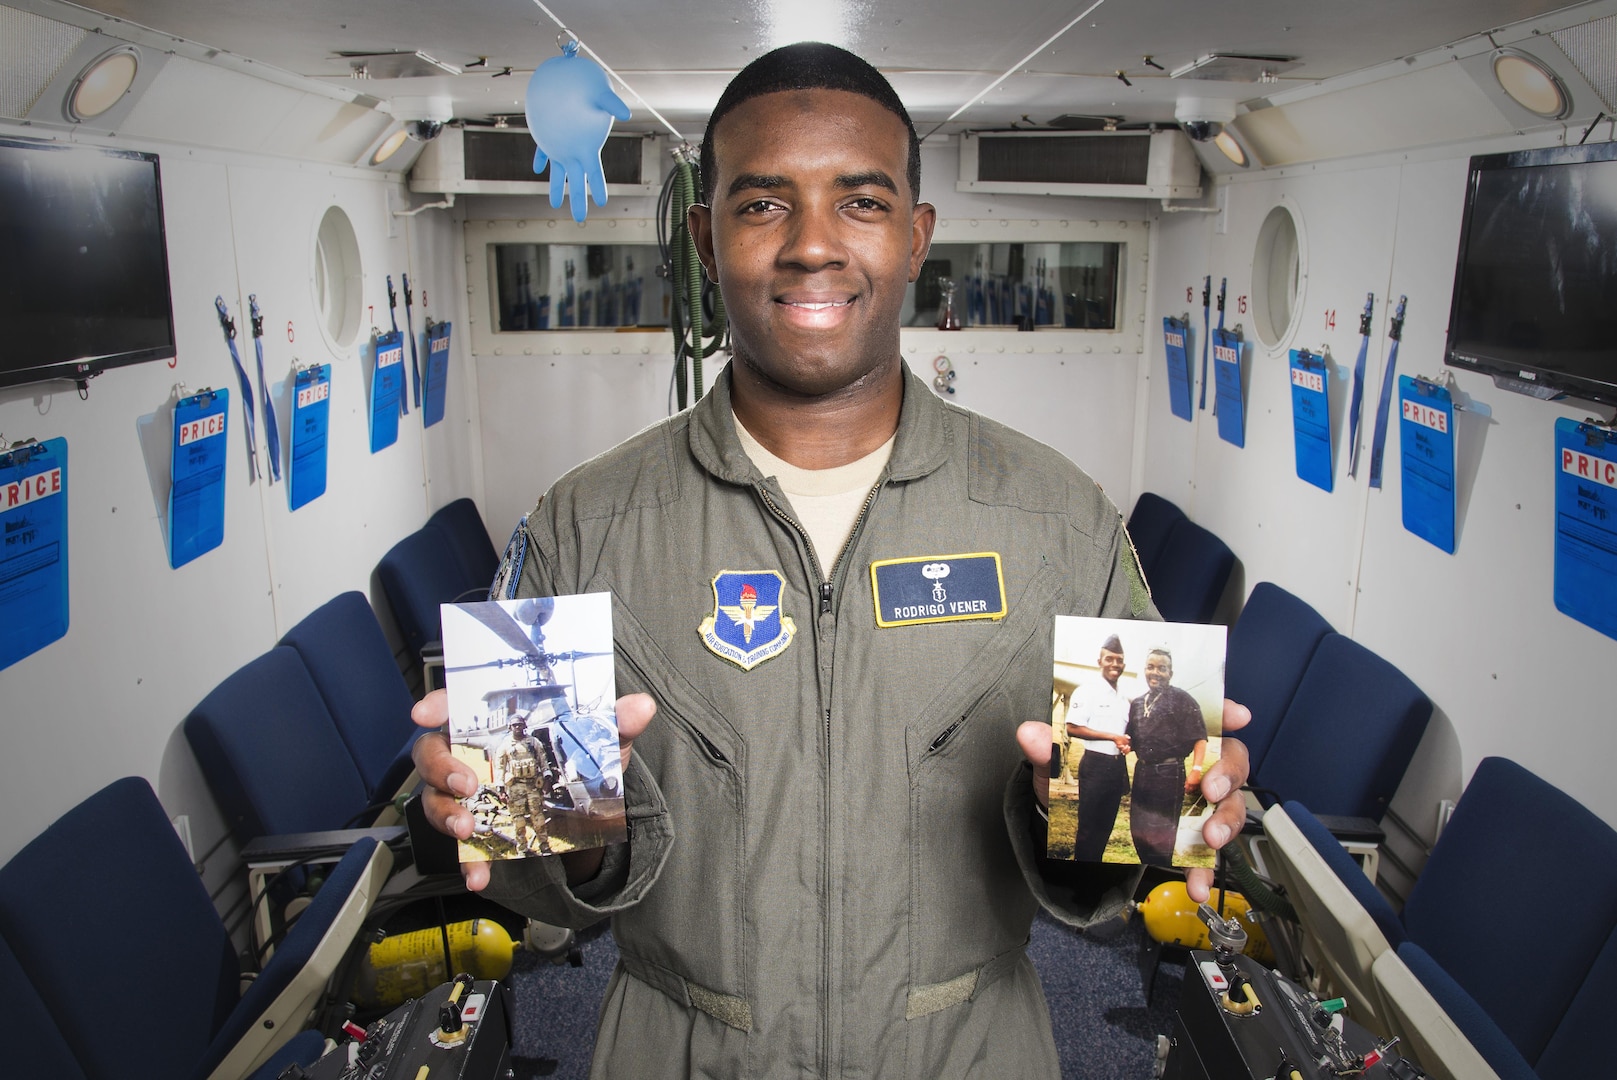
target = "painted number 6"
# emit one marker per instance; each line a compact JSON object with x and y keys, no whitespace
{"x":290,"y":336}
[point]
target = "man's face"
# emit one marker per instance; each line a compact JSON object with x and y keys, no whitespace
{"x":812,"y":236}
{"x":1158,"y":671}
{"x":1111,"y":665}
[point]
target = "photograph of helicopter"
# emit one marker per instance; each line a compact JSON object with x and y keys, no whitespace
{"x":531,"y":696}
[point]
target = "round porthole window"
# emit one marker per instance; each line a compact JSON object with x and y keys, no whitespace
{"x":1279,"y":270}
{"x":338,"y":278}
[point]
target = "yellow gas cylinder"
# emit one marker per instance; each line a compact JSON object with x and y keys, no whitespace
{"x":405,"y":966}
{"x":1170,"y":917}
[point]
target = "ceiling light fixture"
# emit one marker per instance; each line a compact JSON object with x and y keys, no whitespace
{"x":1230,"y":148}
{"x":390,"y":146}
{"x":103,"y":83}
{"x":1530,"y":84}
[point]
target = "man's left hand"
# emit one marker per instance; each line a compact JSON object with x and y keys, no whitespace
{"x":1221,"y":786}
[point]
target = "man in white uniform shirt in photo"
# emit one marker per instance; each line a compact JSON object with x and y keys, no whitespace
{"x":1097,"y":713}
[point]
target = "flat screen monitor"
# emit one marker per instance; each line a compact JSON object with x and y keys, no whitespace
{"x":83,"y":264}
{"x":1535,"y":287}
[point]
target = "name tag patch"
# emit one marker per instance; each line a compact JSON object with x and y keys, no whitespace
{"x":938,"y":588}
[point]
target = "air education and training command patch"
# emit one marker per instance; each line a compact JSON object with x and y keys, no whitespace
{"x":747,"y":627}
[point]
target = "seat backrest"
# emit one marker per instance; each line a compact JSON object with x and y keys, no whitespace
{"x":1269,"y":650}
{"x":463,"y":525}
{"x":1517,"y":843}
{"x":419,"y":573}
{"x":1583,"y":1035}
{"x":41,"y":1050}
{"x":342,"y":645}
{"x":270,"y":751}
{"x":148,"y":998}
{"x":1149,"y":524}
{"x":1190,"y":574}
{"x":1348,"y":734}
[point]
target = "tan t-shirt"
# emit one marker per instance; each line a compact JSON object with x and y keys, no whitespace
{"x":826,"y":501}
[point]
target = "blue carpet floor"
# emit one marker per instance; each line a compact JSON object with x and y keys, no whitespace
{"x":1104,"y":1027}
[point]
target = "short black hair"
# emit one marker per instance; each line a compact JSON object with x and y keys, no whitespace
{"x":808,"y":65}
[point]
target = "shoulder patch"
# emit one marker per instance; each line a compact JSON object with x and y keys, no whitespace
{"x":509,"y":574}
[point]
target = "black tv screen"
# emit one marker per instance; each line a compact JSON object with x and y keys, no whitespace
{"x":1535,"y":288}
{"x":83,"y":265}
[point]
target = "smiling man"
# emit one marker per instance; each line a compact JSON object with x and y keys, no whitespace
{"x":836,"y":593}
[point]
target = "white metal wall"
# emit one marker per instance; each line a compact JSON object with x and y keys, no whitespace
{"x":147,"y":642}
{"x":1476,"y":630}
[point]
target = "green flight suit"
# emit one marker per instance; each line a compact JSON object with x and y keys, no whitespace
{"x":831,"y":868}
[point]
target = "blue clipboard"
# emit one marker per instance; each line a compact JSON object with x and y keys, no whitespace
{"x":1311,"y":417}
{"x":33,"y":556}
{"x":1229,"y":399}
{"x":1426,"y":450}
{"x":387,"y":386}
{"x":1175,"y":341}
{"x":311,"y":415}
{"x":196,"y":497}
{"x":437,"y":388}
{"x":1586,"y":524}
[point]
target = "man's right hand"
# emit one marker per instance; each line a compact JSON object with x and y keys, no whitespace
{"x":448,"y":779}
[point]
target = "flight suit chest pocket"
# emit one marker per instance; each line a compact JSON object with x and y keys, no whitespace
{"x":697,"y":758}
{"x":968,"y":901}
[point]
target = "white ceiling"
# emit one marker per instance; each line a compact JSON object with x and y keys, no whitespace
{"x":679,"y":53}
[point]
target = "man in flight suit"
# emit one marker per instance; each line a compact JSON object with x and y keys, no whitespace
{"x":523,"y":766}
{"x":836,"y":820}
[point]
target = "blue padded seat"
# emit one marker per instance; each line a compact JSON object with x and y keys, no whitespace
{"x":1472,"y":1020}
{"x":342,"y":645}
{"x":164,"y":998}
{"x":1269,"y":649}
{"x":418,"y":574}
{"x":468,"y":538}
{"x":1561,"y":859}
{"x":1584,"y":1034}
{"x":1190,"y":574}
{"x":271,"y":753}
{"x":1348,"y":734}
{"x":1152,"y":518}
{"x":39,"y":1050}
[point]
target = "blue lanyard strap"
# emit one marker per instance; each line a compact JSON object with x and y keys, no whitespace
{"x":392,"y":315}
{"x":228,"y":325}
{"x":1388,"y":378}
{"x":1223,"y":284}
{"x":1358,"y":385}
{"x":409,"y":332}
{"x":271,"y":431}
{"x":1207,"y":326}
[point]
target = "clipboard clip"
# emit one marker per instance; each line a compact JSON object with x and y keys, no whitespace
{"x":20,"y":452}
{"x":183,"y":395}
{"x":1598,"y":432}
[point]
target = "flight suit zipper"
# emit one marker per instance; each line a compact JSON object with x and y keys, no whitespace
{"x":826,"y":587}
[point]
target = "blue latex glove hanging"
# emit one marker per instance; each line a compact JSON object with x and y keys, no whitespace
{"x":570,"y":111}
